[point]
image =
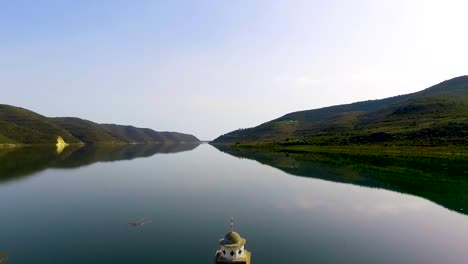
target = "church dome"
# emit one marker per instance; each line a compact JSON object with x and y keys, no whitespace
{"x":232,"y":239}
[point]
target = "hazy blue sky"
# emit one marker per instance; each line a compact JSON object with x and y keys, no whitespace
{"x":208,"y":67}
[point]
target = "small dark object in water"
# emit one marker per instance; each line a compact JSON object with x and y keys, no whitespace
{"x":140,"y":223}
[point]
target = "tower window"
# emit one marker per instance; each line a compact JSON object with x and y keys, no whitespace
{"x":224,"y":252}
{"x":232,"y":253}
{"x":240,"y":251}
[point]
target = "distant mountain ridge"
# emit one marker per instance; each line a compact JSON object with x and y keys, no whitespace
{"x":436,"y":115}
{"x":22,"y":126}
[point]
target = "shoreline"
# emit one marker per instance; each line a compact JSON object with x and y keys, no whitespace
{"x":19,"y":145}
{"x":10,"y":145}
{"x":460,"y":152}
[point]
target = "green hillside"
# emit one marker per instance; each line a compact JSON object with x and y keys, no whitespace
{"x":435,"y":116}
{"x":21,"y":126}
{"x":87,"y":131}
{"x":18,"y":125}
{"x":134,"y":134}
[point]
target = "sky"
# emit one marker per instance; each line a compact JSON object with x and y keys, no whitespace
{"x":210,"y":67}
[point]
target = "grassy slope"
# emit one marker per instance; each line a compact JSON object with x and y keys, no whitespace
{"x":134,"y":134}
{"x":21,"y":126}
{"x":18,"y":125}
{"x":87,"y":131}
{"x":435,"y":116}
{"x":369,"y":150}
{"x":5,"y":140}
{"x":90,"y":132}
{"x":176,"y":137}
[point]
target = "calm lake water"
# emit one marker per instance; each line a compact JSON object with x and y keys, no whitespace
{"x":75,"y":206}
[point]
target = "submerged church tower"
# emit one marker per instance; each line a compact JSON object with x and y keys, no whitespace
{"x":232,"y":249}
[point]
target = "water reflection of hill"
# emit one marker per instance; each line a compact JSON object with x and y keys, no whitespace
{"x":443,"y":181}
{"x":19,"y":162}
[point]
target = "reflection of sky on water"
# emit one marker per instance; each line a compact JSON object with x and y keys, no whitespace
{"x":194,"y":194}
{"x":285,"y":191}
{"x":385,"y":203}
